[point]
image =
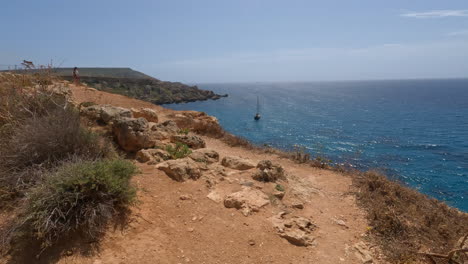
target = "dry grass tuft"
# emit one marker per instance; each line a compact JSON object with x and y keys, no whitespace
{"x":404,"y":221}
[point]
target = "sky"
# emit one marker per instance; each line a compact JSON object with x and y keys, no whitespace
{"x":198,"y":41}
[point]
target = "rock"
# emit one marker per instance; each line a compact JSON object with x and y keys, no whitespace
{"x":181,"y":169}
{"x":249,"y":200}
{"x":297,"y":204}
{"x":269,"y":172}
{"x":110,"y":113}
{"x":215,"y":196}
{"x":154,"y":155}
{"x":237,"y":163}
{"x":278,"y":194}
{"x":207,"y":156}
{"x":191,"y":141}
{"x":149,"y":114}
{"x":132,"y":134}
{"x":340,"y":222}
{"x":184,"y":197}
{"x":92,"y":112}
{"x":251,"y":242}
{"x":297,"y":230}
{"x":164,"y":130}
{"x":105,"y":113}
{"x":362,"y":252}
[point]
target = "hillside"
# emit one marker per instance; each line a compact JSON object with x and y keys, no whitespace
{"x":131,"y":83}
{"x":202,"y":194}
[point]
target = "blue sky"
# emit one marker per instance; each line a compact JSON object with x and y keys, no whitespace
{"x":243,"y":40}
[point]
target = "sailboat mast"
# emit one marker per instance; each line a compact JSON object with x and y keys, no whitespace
{"x":258,"y":105}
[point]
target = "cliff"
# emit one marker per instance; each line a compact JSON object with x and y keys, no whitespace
{"x":206,"y":196}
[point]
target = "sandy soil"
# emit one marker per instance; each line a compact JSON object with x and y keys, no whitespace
{"x":166,"y":229}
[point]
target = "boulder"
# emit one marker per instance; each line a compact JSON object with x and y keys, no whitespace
{"x":132,"y":134}
{"x":296,"y":230}
{"x":248,"y":200}
{"x":269,"y":172}
{"x":164,"y":130}
{"x":147,"y":113}
{"x":181,"y":169}
{"x":92,"y":112}
{"x":110,"y":113}
{"x":153,"y":155}
{"x":237,"y":163}
{"x":190,"y":140}
{"x":105,"y":113}
{"x":207,"y":156}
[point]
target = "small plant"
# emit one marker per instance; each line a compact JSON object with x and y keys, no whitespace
{"x":184,"y":131}
{"x":279,"y":187}
{"x":180,"y":150}
{"x":80,"y":196}
{"x":300,"y":154}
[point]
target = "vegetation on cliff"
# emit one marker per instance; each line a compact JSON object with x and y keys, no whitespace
{"x":128,"y":82}
{"x":56,"y":176}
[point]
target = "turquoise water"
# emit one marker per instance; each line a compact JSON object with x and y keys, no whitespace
{"x":416,"y":130}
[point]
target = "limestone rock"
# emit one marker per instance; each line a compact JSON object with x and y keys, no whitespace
{"x":297,"y":230}
{"x":207,"y":156}
{"x":215,"y":196}
{"x":163,"y":130}
{"x":237,"y":163}
{"x":149,"y":114}
{"x":92,"y":112}
{"x":190,"y":140}
{"x":269,"y":172}
{"x":248,"y":200}
{"x":181,"y":169}
{"x":362,"y":252}
{"x":110,"y":113}
{"x":132,"y":134}
{"x":154,"y":155}
{"x":105,"y":113}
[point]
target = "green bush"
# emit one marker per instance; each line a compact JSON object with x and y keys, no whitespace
{"x":179,"y":151}
{"x":42,"y":143}
{"x":80,"y":196}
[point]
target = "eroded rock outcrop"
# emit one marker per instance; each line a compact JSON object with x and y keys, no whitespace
{"x":237,"y":163}
{"x":163,"y":130}
{"x":152,"y":155}
{"x":181,"y":169}
{"x":106,"y":113}
{"x":207,"y":156}
{"x":192,"y":141}
{"x":248,"y":200}
{"x":297,"y":230}
{"x":132,"y":134}
{"x":146,"y":113}
{"x":269,"y":172}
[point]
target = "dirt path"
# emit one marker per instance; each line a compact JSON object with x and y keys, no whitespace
{"x":167,"y":229}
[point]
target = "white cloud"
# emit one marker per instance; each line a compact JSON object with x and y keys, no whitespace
{"x":437,"y":13}
{"x":458,"y":33}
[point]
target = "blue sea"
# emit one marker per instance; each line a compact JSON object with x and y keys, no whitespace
{"x":414,"y":130}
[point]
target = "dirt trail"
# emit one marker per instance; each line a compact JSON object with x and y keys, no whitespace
{"x":166,"y":229}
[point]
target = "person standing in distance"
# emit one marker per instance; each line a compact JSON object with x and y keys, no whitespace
{"x":76,"y":76}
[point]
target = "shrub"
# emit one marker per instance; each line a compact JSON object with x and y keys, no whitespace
{"x":404,"y":220}
{"x":43,"y":142}
{"x":80,"y":196}
{"x":279,"y":187}
{"x":179,"y":151}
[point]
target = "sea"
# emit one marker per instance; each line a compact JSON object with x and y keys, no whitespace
{"x":416,"y":131}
